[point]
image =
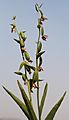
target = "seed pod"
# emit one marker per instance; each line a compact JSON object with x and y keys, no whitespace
{"x":40,"y":61}
{"x":27,"y":56}
{"x":22,"y":35}
{"x":22,"y":43}
{"x":42,"y":31}
{"x":21,"y":65}
{"x":39,"y":46}
{"x":35,"y":75}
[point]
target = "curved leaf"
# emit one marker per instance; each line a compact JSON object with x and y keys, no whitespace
{"x":18,"y":73}
{"x":43,"y":99}
{"x":39,"y":54}
{"x":21,"y":65}
{"x":18,"y":41}
{"x":27,"y":102}
{"x":19,"y":103}
{"x":52,"y":113}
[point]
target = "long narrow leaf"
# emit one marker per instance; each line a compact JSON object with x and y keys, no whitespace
{"x":39,"y":54}
{"x":21,"y":65}
{"x":19,"y":103}
{"x":17,"y":40}
{"x":52,"y":113}
{"x":27,"y":102}
{"x":43,"y":99}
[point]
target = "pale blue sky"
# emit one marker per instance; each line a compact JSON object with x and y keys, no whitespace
{"x":56,"y":58}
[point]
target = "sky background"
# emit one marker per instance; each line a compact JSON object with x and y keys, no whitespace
{"x":56,"y":58}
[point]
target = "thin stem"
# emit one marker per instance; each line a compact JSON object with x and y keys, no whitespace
{"x":38,"y":77}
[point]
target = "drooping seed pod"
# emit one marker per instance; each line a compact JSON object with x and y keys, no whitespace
{"x":27,"y":56}
{"x":21,"y":65}
{"x":39,"y":46}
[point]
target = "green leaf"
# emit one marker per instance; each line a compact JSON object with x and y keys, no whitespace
{"x":32,"y":67}
{"x":18,"y":41}
{"x":36,"y":7}
{"x":43,"y":99}
{"x":40,"y":6}
{"x":39,"y":54}
{"x":21,"y":65}
{"x":19,"y":103}
{"x":24,"y":77}
{"x":52,"y":113}
{"x":18,"y":73}
{"x":27,"y":102}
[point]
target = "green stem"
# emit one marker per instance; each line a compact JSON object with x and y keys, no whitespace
{"x":39,"y":35}
{"x":38,"y":78}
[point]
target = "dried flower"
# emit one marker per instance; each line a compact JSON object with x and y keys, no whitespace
{"x":13,"y":28}
{"x":43,"y":18}
{"x":40,"y":69}
{"x":44,"y":37}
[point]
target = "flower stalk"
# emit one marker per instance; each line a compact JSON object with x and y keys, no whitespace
{"x":32,"y":80}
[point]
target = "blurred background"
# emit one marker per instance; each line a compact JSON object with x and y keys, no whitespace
{"x":56,"y":58}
